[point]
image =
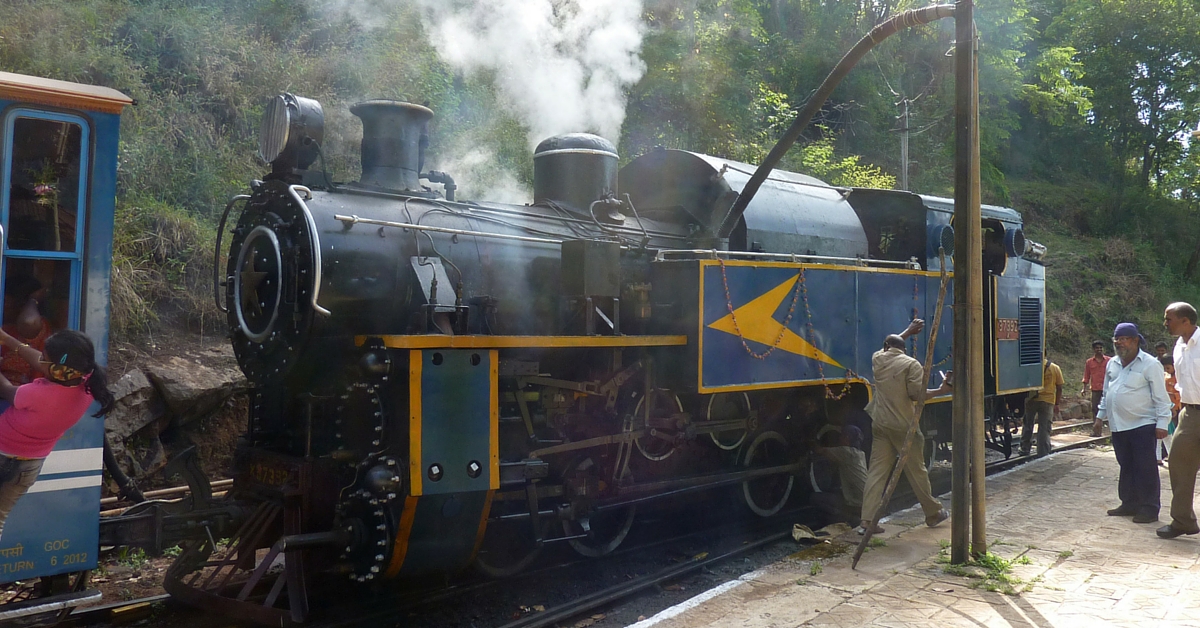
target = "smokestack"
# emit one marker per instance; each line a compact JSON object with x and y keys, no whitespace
{"x":393,"y":143}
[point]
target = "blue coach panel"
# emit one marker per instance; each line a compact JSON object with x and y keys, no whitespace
{"x":54,"y":528}
{"x":771,"y":324}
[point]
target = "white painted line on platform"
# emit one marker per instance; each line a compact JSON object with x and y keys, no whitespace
{"x":693,"y":602}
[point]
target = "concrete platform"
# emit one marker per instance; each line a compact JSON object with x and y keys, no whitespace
{"x":1072,"y":566}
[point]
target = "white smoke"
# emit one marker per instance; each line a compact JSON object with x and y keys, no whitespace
{"x":479,"y":175}
{"x":562,"y":65}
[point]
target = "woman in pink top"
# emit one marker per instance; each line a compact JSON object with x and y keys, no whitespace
{"x":44,"y":409}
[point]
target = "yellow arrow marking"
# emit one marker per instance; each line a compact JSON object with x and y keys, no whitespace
{"x":756,"y":320}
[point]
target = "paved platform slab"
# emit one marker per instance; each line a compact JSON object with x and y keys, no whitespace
{"x":1072,"y":565}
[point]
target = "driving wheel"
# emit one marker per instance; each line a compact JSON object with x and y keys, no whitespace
{"x":767,"y":495}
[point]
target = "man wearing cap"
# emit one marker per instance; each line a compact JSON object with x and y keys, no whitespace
{"x":1137,"y":407}
{"x":1180,"y":320}
{"x":899,"y":384}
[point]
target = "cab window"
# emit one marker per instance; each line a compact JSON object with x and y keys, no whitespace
{"x":43,"y":198}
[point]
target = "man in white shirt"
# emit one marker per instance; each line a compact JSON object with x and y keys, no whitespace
{"x":1137,"y":407}
{"x":1180,"y":320}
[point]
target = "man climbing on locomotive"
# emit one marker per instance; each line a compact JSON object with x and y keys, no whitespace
{"x":899,"y":382}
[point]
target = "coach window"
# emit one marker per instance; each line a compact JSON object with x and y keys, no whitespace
{"x":43,"y":207}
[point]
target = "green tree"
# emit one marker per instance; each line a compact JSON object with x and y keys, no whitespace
{"x":1142,"y":62}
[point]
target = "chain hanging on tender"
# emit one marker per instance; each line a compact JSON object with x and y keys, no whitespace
{"x":738,"y":329}
{"x":912,"y":340}
{"x":811,"y":333}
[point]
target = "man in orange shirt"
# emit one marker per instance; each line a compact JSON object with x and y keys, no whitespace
{"x":1093,"y":380}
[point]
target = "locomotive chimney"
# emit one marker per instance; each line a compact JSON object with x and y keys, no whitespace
{"x":393,"y":144}
{"x":574,"y":170}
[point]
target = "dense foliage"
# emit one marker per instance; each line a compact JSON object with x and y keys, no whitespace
{"x":1086,"y":106}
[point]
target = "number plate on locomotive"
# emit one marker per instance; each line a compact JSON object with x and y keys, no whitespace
{"x":268,"y":474}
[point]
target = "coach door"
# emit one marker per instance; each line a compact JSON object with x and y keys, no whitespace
{"x":43,"y":214}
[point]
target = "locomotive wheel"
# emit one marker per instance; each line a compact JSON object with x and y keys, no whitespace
{"x":767,"y":495}
{"x":509,"y":547}
{"x":653,"y":447}
{"x":728,"y":407}
{"x":606,"y":529}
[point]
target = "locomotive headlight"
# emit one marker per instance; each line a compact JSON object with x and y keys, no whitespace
{"x":1014,"y":241}
{"x":941,"y":236}
{"x":292,"y":128}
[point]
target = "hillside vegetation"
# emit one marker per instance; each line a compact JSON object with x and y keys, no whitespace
{"x":1085,"y":106}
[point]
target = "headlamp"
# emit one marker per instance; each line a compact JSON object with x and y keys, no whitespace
{"x":292,"y":128}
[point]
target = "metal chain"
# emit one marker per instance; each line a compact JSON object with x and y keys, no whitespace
{"x":738,"y":329}
{"x":912,"y":340}
{"x":850,"y":374}
{"x":801,"y":293}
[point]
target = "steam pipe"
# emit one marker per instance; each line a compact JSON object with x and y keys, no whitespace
{"x":437,"y":176}
{"x":314,"y":241}
{"x":904,"y":20}
{"x":350,"y":221}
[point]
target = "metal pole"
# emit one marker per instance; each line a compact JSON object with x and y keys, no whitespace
{"x":978,"y":472}
{"x":968,"y":377}
{"x":904,"y":145}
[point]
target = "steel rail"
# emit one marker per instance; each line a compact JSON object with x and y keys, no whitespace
{"x":611,"y":594}
{"x":1018,"y":460}
{"x":617,"y":592}
{"x":105,"y":612}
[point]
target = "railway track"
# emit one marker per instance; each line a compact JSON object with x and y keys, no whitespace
{"x":590,"y":602}
{"x":761,"y":536}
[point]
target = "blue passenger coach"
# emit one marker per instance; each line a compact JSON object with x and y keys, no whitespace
{"x":58,"y":169}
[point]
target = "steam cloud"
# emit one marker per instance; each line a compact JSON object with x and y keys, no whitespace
{"x":562,"y":65}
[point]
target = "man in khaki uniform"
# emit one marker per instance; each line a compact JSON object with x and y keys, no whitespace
{"x":899,"y":384}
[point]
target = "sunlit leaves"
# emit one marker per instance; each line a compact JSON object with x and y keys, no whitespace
{"x":1053,"y":90}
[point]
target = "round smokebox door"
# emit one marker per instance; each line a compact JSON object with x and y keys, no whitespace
{"x":257,"y":284}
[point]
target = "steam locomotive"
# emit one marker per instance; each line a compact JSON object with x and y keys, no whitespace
{"x":440,"y":383}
